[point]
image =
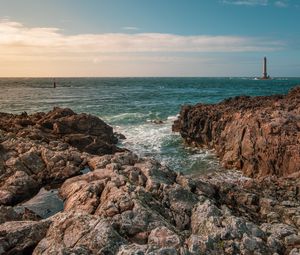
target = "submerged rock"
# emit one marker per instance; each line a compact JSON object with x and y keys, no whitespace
{"x":258,"y":135}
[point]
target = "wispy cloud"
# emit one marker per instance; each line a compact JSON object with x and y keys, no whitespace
{"x":130,"y":28}
{"x":281,"y":4}
{"x":247,"y":2}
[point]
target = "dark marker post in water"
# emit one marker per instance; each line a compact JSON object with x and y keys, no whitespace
{"x":54,"y":83}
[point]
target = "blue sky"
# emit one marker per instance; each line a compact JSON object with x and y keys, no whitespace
{"x":149,"y":37}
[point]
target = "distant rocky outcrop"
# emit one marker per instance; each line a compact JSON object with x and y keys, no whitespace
{"x":259,"y":135}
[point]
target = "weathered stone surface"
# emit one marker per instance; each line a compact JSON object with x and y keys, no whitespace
{"x":172,"y":213}
{"x":29,"y":165}
{"x":129,"y":205}
{"x":46,"y":148}
{"x":83,"y":131}
{"x":20,"y":237}
{"x":77,"y":233}
{"x":44,"y":204}
{"x":258,"y":135}
{"x":7,"y":213}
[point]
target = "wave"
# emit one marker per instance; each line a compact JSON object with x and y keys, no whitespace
{"x":158,"y":141}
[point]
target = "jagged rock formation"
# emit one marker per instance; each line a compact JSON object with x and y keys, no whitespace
{"x":82,"y":131}
{"x":259,"y":135}
{"x":129,"y":205}
{"x":47,"y":148}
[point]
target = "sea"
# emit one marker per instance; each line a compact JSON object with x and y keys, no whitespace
{"x":133,"y":105}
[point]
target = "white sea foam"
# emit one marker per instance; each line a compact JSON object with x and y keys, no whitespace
{"x":145,"y":138}
{"x":125,"y":116}
{"x":158,"y":141}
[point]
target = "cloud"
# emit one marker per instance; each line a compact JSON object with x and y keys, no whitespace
{"x":247,"y":2}
{"x":46,"y":51}
{"x":281,"y":4}
{"x":130,"y":28}
{"x":17,"y":38}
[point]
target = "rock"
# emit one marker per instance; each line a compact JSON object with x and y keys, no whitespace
{"x":170,"y":210}
{"x":257,"y":135}
{"x":254,"y":244}
{"x":77,"y":233}
{"x":295,"y":251}
{"x":46,"y":148}
{"x":292,"y":240}
{"x":119,"y":203}
{"x":132,"y":249}
{"x":279,"y":230}
{"x":205,"y":218}
{"x":83,"y":131}
{"x":17,"y":187}
{"x":40,"y":164}
{"x":20,"y":237}
{"x":163,"y":237}
{"x":158,"y":122}
{"x":7,"y":213}
{"x":120,"y":136}
{"x":44,"y":204}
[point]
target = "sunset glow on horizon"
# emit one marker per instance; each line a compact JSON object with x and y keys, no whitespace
{"x":47,"y":51}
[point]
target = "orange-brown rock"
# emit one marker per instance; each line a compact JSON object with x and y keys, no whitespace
{"x":259,"y":135}
{"x":47,"y":148}
{"x":84,"y":131}
{"x":124,"y":204}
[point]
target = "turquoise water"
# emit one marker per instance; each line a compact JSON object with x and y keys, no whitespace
{"x":130,"y":104}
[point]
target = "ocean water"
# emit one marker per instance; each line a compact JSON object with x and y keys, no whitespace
{"x":131,"y":105}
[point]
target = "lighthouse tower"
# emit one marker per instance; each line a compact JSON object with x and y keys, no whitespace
{"x":265,"y":74}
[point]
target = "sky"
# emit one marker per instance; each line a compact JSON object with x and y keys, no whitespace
{"x":121,"y":38}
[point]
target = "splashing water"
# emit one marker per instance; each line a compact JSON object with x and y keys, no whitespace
{"x":132,"y":105}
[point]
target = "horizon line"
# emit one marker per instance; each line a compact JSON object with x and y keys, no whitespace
{"x":58,"y":77}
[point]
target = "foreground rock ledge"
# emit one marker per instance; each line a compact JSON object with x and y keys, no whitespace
{"x":130,"y":205}
{"x":259,"y":135}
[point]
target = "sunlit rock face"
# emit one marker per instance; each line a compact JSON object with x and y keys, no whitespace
{"x":259,"y":135}
{"x":46,"y":148}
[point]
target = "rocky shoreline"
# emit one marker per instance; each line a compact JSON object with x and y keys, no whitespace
{"x":117,"y":203}
{"x":259,"y":135}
